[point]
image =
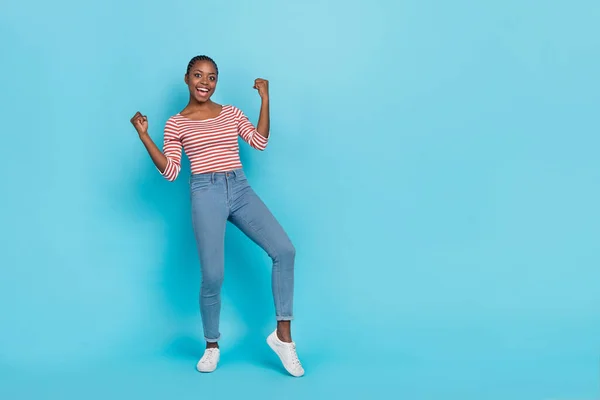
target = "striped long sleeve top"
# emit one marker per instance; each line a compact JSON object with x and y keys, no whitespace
{"x":211,"y":145}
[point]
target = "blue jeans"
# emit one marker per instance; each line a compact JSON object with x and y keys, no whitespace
{"x":227,"y":196}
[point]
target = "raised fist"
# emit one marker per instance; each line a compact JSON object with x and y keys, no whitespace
{"x":140,"y":123}
{"x":262,"y":85}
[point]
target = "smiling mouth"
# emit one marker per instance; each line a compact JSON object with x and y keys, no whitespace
{"x":202,"y":90}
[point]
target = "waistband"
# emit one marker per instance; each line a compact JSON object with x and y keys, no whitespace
{"x":235,"y":173}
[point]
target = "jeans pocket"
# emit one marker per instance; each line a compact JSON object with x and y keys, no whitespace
{"x":197,"y":185}
{"x":241,"y":177}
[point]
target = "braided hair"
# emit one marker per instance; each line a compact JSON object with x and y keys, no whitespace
{"x":201,"y":58}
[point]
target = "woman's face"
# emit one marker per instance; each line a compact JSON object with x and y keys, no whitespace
{"x":202,"y":80}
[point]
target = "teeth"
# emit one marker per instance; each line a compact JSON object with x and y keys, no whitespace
{"x":203,"y":90}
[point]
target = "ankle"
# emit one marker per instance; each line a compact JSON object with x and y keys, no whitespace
{"x":212,"y":345}
{"x":284,"y":332}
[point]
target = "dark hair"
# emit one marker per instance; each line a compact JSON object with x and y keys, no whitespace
{"x":201,"y":58}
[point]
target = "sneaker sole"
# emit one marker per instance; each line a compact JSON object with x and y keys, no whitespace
{"x":273,"y":346}
{"x":206,"y":371}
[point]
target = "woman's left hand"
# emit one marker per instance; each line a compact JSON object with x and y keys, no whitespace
{"x":262,"y":85}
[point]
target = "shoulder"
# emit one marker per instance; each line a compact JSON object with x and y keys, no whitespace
{"x":173,"y":119}
{"x":232,"y":110}
{"x":172,"y":122}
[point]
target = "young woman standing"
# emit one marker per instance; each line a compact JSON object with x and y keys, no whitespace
{"x":208,"y":133}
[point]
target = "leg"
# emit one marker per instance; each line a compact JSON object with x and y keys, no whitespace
{"x":209,"y":218}
{"x":255,"y":220}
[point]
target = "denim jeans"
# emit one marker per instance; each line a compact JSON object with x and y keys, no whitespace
{"x":217,"y":198}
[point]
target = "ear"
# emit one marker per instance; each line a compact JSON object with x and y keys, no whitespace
{"x":186,"y":79}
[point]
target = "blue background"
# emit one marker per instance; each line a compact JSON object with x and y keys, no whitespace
{"x":435,"y":163}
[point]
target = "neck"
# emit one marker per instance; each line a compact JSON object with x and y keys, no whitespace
{"x":195,"y":104}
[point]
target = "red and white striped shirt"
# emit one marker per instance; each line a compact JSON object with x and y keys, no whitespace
{"x":211,"y":145}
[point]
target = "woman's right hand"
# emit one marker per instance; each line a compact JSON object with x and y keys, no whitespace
{"x":140,"y":123}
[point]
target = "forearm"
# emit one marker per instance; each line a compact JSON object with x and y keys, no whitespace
{"x":263,"y":125}
{"x":159,"y":159}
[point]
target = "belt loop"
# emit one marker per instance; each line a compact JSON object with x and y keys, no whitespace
{"x":212,"y":177}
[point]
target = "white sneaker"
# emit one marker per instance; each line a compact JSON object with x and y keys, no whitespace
{"x":209,"y":361}
{"x":287,"y":354}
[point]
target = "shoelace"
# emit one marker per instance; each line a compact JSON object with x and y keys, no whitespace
{"x":208,"y":355}
{"x":294,"y":355}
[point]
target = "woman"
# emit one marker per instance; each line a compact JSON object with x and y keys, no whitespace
{"x":208,"y":133}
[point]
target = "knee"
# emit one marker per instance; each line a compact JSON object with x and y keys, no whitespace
{"x":211,"y":283}
{"x":286,"y":251}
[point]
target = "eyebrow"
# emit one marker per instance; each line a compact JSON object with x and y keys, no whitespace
{"x":210,"y":73}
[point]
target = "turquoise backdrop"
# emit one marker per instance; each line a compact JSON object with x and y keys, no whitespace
{"x":435,"y":163}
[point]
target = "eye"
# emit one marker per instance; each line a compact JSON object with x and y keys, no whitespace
{"x":212,"y":78}
{"x":197,"y":75}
